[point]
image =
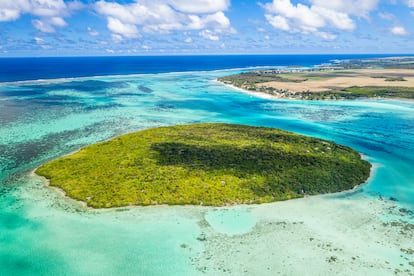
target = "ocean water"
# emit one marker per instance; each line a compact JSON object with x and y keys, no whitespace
{"x":83,"y":101}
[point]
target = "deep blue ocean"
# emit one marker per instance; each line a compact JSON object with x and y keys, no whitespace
{"x":50,"y":107}
{"x":16,"y":69}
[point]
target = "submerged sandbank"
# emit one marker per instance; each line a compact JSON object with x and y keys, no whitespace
{"x":321,"y":235}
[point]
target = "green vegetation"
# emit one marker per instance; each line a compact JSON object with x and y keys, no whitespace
{"x":356,"y":92}
{"x":362,"y":92}
{"x":253,"y":81}
{"x":406,"y":62}
{"x":210,"y":164}
{"x":250,"y":79}
{"x":395,"y":79}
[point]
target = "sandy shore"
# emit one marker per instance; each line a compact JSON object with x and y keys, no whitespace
{"x":322,"y":81}
{"x":255,"y":94}
{"x":348,"y":233}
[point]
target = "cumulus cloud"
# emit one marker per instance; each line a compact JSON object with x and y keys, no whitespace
{"x":164,"y":16}
{"x":118,"y":27}
{"x":279,"y":22}
{"x":410,"y":3}
{"x":50,"y":13}
{"x":207,"y":34}
{"x":200,"y":6}
{"x":350,"y":7}
{"x":398,"y":30}
{"x":48,"y":24}
{"x":318,"y":17}
{"x":9,"y":14}
{"x":42,"y":26}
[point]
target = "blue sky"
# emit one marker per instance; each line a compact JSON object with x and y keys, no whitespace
{"x":157,"y":27}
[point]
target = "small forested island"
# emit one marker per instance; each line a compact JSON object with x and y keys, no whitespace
{"x":205,"y":164}
{"x":366,"y":78}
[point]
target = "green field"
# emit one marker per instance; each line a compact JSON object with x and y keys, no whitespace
{"x":385,"y":87}
{"x":209,"y":164}
{"x":356,"y":92}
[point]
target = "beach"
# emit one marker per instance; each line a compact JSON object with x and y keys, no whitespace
{"x":325,"y":84}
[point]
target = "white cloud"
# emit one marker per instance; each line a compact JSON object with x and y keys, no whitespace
{"x":42,"y":43}
{"x":200,"y":6}
{"x":398,"y":30}
{"x":386,"y":16}
{"x":42,"y":26}
{"x":279,"y":22}
{"x":92,"y":32}
{"x":39,"y":40}
{"x":216,"y":20}
{"x":58,"y":21}
{"x":50,"y":13}
{"x":48,"y":8}
{"x":11,"y":9}
{"x":325,"y":35}
{"x":410,"y":3}
{"x":350,"y":7}
{"x":117,"y":37}
{"x":126,"y":30}
{"x":9,"y":14}
{"x":207,"y":34}
{"x":318,"y":18}
{"x":47,"y":25}
{"x":336,"y":19}
{"x":188,"y":40}
{"x":164,"y":16}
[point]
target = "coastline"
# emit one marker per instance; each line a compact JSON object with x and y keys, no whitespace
{"x":59,"y":191}
{"x":84,"y":205}
{"x":353,"y":232}
{"x":267,"y":96}
{"x":97,"y":197}
{"x":255,"y":94}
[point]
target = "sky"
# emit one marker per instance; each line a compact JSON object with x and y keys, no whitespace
{"x":161,"y":27}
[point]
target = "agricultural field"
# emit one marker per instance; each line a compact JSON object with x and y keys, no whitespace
{"x":327,"y":84}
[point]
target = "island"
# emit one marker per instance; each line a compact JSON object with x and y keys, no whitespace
{"x":211,"y":164}
{"x":370,"y":78}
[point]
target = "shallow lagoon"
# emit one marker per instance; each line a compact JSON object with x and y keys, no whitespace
{"x":42,"y":233}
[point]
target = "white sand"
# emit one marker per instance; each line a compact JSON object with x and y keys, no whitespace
{"x":319,"y":235}
{"x":252,"y":93}
{"x":342,"y":234}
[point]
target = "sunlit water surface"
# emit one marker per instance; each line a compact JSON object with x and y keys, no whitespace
{"x":42,"y":233}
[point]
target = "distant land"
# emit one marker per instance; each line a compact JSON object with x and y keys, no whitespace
{"x":205,"y":164}
{"x":360,"y":78}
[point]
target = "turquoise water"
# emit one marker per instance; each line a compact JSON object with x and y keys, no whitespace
{"x":235,"y":221}
{"x":42,"y":233}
